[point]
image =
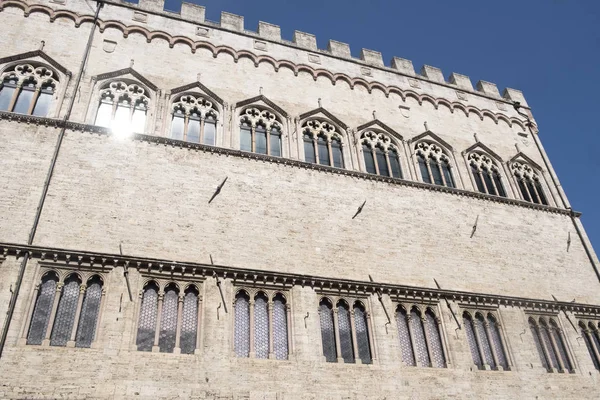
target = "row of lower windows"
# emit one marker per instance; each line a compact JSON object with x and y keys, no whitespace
{"x":66,"y":310}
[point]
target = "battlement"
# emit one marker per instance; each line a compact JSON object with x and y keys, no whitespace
{"x":307,"y":41}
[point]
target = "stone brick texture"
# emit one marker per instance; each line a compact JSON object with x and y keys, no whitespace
{"x":153,"y":200}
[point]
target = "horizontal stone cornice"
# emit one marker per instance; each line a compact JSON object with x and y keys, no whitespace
{"x":182,"y":270}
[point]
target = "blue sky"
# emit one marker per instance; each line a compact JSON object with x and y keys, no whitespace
{"x":549,"y":49}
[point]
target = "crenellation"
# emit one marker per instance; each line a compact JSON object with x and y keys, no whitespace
{"x":371,"y":57}
{"x":488,"y":88}
{"x":232,"y":21}
{"x":514,"y":95}
{"x":339,"y":49}
{"x":269,"y":31}
{"x":403,"y":65}
{"x":432,"y":73}
{"x":193,"y":12}
{"x":306,"y":40}
{"x":462,"y":81}
{"x":152,"y":5}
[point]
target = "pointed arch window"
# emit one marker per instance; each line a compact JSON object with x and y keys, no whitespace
{"x":260,"y":131}
{"x":434,"y":164}
{"x":169,"y":320}
{"x":261,"y":323}
{"x":380,"y":154}
{"x":65,"y":315}
{"x":420,"y":337}
{"x":551,"y":344}
{"x":529,"y":183}
{"x":486,"y":174}
{"x":485,"y":340}
{"x":123,"y":107}
{"x":28,"y":89}
{"x":591,"y":336}
{"x":322,"y":143}
{"x":194,"y":119}
{"x":43,"y":308}
{"x":90,"y":311}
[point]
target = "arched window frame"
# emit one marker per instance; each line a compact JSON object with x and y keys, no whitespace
{"x":490,"y":343}
{"x":279,"y":342}
{"x":590,"y":332}
{"x":481,"y":164}
{"x":46,"y":82}
{"x":411,"y":342}
{"x":319,"y":130}
{"x":182,"y":288}
{"x":529,"y":182}
{"x":207,"y":108}
{"x":259,"y":115}
{"x":356,"y":349}
{"x":428,"y":155}
{"x":392,"y":149}
{"x":555,"y":353}
{"x":84,"y":278}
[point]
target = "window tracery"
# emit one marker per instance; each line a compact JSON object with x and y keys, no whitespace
{"x":486,"y":174}
{"x":345,"y":331}
{"x":591,"y":336}
{"x":123,"y":107}
{"x":420,"y":337}
{"x":529,"y":183}
{"x":65,"y":310}
{"x":322,"y":143}
{"x":194,"y":119}
{"x":484,"y":335}
{"x":434,"y":164}
{"x":169,"y":317}
{"x":260,"y":131}
{"x":381,"y":154}
{"x":28,"y":88}
{"x":261,"y":324}
{"x":551,"y":345}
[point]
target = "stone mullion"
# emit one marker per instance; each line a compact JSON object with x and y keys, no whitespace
{"x":525,"y":180}
{"x":477,"y":333}
{"x":156,"y":348}
{"x":82,"y":289}
{"x":25,"y":330}
{"x":336,"y":328}
{"x":593,"y":344}
{"x":480,"y":173}
{"x":330,"y":151}
{"x":389,"y":164}
{"x":14,"y":97}
{"x":253,"y":137}
{"x":316,"y":148}
{"x":186,"y":121}
{"x":438,"y":321}
{"x":251,"y":313}
{"x":270,"y":311}
{"x":427,"y":340}
{"x":357,"y":358}
{"x":544,"y":348}
{"x":411,"y":334}
{"x":535,"y":188}
{"x":36,"y":94}
{"x":177,"y":349}
{"x":441,"y":171}
{"x":491,"y":173}
{"x":488,"y":334}
{"x":201,"y":139}
{"x":100,"y":314}
{"x":268,"y":133}
{"x":288,"y":313}
{"x":555,"y":347}
{"x":198,"y":326}
{"x":428,"y":161}
{"x":46,"y":341}
{"x":370,"y":336}
{"x":375,"y":160}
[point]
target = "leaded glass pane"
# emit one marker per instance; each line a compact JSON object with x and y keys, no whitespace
{"x":261,"y":326}
{"x":477,"y":177}
{"x":189,"y":323}
{"x":327,"y":332}
{"x":323,"y":150}
{"x":468,"y":323}
{"x":540,"y":192}
{"x":345,"y":333}
{"x":381,"y":162}
{"x":424,"y":170}
{"x":280,"y":329}
{"x":242,"y":325}
{"x":404,"y":335}
{"x":24,"y":99}
{"x":523,"y":190}
{"x":65,"y":314}
{"x":245,"y":137}
{"x":418,"y":335}
{"x":369,"y":160}
{"x":590,"y":348}
{"x":88,"y":319}
{"x":193,"y":130}
{"x":6,"y":94}
{"x":336,"y":151}
{"x":560,"y":344}
{"x":435,"y":341}
{"x":210,"y":131}
{"x":499,"y":185}
{"x":261,"y":139}
{"x":435,"y":172}
{"x":497,"y":341}
{"x":395,"y":164}
{"x":275,"y":142}
{"x":535,"y":331}
{"x":42,"y":310}
{"x":168,"y":321}
{"x":479,"y":326}
{"x":177,"y":125}
{"x":309,"y":149}
{"x":42,"y":105}
{"x":362,"y":335}
{"x":147,"y":322}
{"x":448,"y":175}
{"x":548,"y":342}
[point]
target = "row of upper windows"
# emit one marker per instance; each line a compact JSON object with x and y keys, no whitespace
{"x":66,"y":309}
{"x":123,"y":105}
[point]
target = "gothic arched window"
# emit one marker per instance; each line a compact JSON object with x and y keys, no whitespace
{"x":123,"y":107}
{"x":322,"y":143}
{"x":551,"y":345}
{"x":380,"y":154}
{"x":485,"y":341}
{"x":27,"y":89}
{"x":194,"y":119}
{"x":189,"y":322}
{"x":486,"y":174}
{"x":43,"y":308}
{"x":592,"y":341}
{"x":260,"y":131}
{"x":362,"y":333}
{"x":345,"y":331}
{"x":261,"y":325}
{"x":148,"y":315}
{"x":434,"y":164}
{"x":65,"y":314}
{"x":168,"y":319}
{"x":528,"y":181}
{"x":327,"y":330}
{"x":280,"y":327}
{"x":420,"y":338}
{"x":90,"y":310}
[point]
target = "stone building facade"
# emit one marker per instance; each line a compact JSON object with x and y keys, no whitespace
{"x":193,"y":210}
